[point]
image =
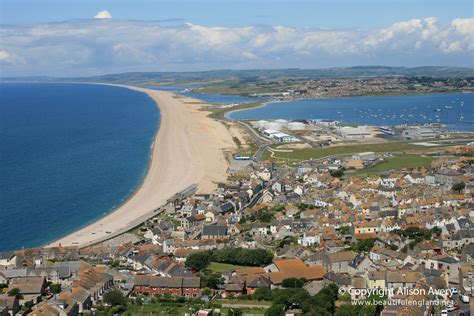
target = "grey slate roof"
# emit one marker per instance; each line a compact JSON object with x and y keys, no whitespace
{"x":214,"y":230}
{"x":194,"y":282}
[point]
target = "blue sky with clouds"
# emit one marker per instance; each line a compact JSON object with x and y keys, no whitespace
{"x":62,"y":37}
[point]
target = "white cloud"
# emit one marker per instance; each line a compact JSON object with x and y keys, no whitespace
{"x":7,"y":58}
{"x":82,"y":47}
{"x":104,"y":14}
{"x":4,"y":56}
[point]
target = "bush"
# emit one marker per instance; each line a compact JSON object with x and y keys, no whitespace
{"x":458,"y":187}
{"x":15,"y":292}
{"x":55,"y":288}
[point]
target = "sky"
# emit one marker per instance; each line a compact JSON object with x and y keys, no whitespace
{"x":92,"y":37}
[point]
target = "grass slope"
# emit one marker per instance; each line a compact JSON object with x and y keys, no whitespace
{"x":316,"y":153}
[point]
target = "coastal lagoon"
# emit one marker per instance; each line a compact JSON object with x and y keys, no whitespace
{"x":69,"y":154}
{"x":456,"y":110}
{"x":220,"y":98}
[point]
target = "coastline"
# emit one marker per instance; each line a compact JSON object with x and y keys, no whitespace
{"x":187,"y":149}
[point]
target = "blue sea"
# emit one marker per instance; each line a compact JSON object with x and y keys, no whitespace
{"x":454,"y":109}
{"x":69,"y":153}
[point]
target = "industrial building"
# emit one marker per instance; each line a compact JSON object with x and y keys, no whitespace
{"x":279,"y":125}
{"x":354,"y":132}
{"x":281,"y":137}
{"x":419,"y":133}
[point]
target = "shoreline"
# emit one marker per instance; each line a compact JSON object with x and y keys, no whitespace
{"x":172,"y":152}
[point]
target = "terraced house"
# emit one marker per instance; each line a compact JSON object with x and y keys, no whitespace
{"x":175,"y":286}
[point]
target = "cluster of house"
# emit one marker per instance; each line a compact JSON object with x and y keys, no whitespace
{"x":310,"y":219}
{"x":31,"y":273}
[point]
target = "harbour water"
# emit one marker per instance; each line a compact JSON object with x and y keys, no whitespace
{"x":456,"y":110}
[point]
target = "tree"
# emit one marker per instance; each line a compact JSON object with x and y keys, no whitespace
{"x":364,"y":245}
{"x":213,"y":280}
{"x":15,"y":292}
{"x":115,"y":264}
{"x":275,"y":310}
{"x":240,"y":256}
{"x":458,"y":187}
{"x":436,"y":230}
{"x":198,"y":261}
{"x":115,"y":297}
{"x":293,"y":282}
{"x":344,"y":230}
{"x":265,"y":217}
{"x":412,"y":232}
{"x":298,"y":298}
{"x":347,"y":310}
{"x":337,"y":173}
{"x":55,"y":288}
{"x":206,"y":292}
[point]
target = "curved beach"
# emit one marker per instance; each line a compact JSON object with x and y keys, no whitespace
{"x":188,"y":149}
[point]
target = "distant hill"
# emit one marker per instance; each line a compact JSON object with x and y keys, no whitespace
{"x":259,"y":74}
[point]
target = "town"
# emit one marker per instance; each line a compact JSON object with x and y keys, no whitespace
{"x":309,"y":238}
{"x":295,"y":88}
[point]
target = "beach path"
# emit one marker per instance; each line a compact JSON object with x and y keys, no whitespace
{"x":188,"y":149}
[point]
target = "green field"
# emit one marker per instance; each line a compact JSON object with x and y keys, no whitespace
{"x":222,"y":267}
{"x":396,"y":163}
{"x":316,"y":153}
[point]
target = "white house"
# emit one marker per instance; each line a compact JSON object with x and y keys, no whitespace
{"x":310,"y":238}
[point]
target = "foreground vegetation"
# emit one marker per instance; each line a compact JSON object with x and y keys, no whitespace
{"x":264,"y":302}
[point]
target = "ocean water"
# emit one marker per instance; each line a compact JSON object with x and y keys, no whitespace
{"x":69,"y":153}
{"x":454,"y":109}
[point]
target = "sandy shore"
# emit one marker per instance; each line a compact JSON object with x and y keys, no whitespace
{"x":188,"y":149}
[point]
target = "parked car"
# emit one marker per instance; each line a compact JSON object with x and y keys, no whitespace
{"x":464,"y":299}
{"x":452,"y":307}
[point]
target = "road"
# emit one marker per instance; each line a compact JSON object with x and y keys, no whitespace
{"x":258,"y":139}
